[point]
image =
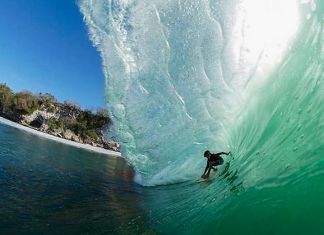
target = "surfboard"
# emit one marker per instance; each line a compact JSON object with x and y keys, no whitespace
{"x":200,"y":179}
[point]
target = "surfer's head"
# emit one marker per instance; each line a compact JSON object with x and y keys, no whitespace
{"x":207,"y":154}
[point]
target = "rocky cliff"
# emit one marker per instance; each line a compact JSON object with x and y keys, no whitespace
{"x":65,"y":114}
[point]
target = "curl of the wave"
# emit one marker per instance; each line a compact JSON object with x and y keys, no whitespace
{"x":180,"y":75}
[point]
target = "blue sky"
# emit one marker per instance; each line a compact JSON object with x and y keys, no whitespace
{"x":44,"y":47}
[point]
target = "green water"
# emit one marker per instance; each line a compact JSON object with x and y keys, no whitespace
{"x":49,"y":188}
{"x":186,"y":76}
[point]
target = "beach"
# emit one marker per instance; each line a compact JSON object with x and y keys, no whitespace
{"x":61,"y":140}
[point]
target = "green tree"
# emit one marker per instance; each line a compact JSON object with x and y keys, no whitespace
{"x":54,"y":123}
{"x":25,"y":102}
{"x":92,"y":134}
{"x":46,"y":99}
{"x":72,"y":105}
{"x":6,"y":95}
{"x":102,"y":112}
{"x":51,"y":109}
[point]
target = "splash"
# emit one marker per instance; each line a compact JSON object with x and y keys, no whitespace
{"x":186,"y":76}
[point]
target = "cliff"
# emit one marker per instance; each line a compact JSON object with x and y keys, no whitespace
{"x":65,"y":120}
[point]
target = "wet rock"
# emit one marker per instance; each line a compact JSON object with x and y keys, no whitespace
{"x":67,"y":134}
{"x":77,"y":139}
{"x":110,"y":145}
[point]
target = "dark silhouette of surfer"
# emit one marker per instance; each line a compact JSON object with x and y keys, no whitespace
{"x":214,"y":159}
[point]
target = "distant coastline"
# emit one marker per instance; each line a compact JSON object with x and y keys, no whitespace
{"x":63,"y":122}
{"x":60,"y":140}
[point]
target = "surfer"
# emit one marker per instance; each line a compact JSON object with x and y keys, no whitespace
{"x":214,"y":159}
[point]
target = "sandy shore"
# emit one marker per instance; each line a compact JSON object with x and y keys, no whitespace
{"x":61,"y":140}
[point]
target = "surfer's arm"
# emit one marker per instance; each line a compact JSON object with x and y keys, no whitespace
{"x":206,"y":168}
{"x":224,"y":153}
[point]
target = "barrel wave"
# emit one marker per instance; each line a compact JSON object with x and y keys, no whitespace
{"x":186,"y":76}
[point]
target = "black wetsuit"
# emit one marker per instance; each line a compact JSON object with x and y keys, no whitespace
{"x":215,"y":157}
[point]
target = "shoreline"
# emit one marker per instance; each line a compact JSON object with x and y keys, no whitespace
{"x":60,"y":140}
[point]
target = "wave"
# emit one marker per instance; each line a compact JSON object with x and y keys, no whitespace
{"x":186,"y":76}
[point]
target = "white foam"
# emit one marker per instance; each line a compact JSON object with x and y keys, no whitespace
{"x":138,"y":178}
{"x":57,"y":139}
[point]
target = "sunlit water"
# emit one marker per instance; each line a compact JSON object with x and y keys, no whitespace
{"x":186,"y":76}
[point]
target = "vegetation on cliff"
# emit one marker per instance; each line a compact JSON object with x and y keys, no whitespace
{"x":24,"y":102}
{"x":45,"y":113}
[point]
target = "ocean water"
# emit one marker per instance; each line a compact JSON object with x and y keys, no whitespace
{"x":182,"y":77}
{"x":240,"y":75}
{"x":186,"y":76}
{"x":52,"y":188}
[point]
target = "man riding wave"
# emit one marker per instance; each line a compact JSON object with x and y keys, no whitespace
{"x":214,"y":159}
